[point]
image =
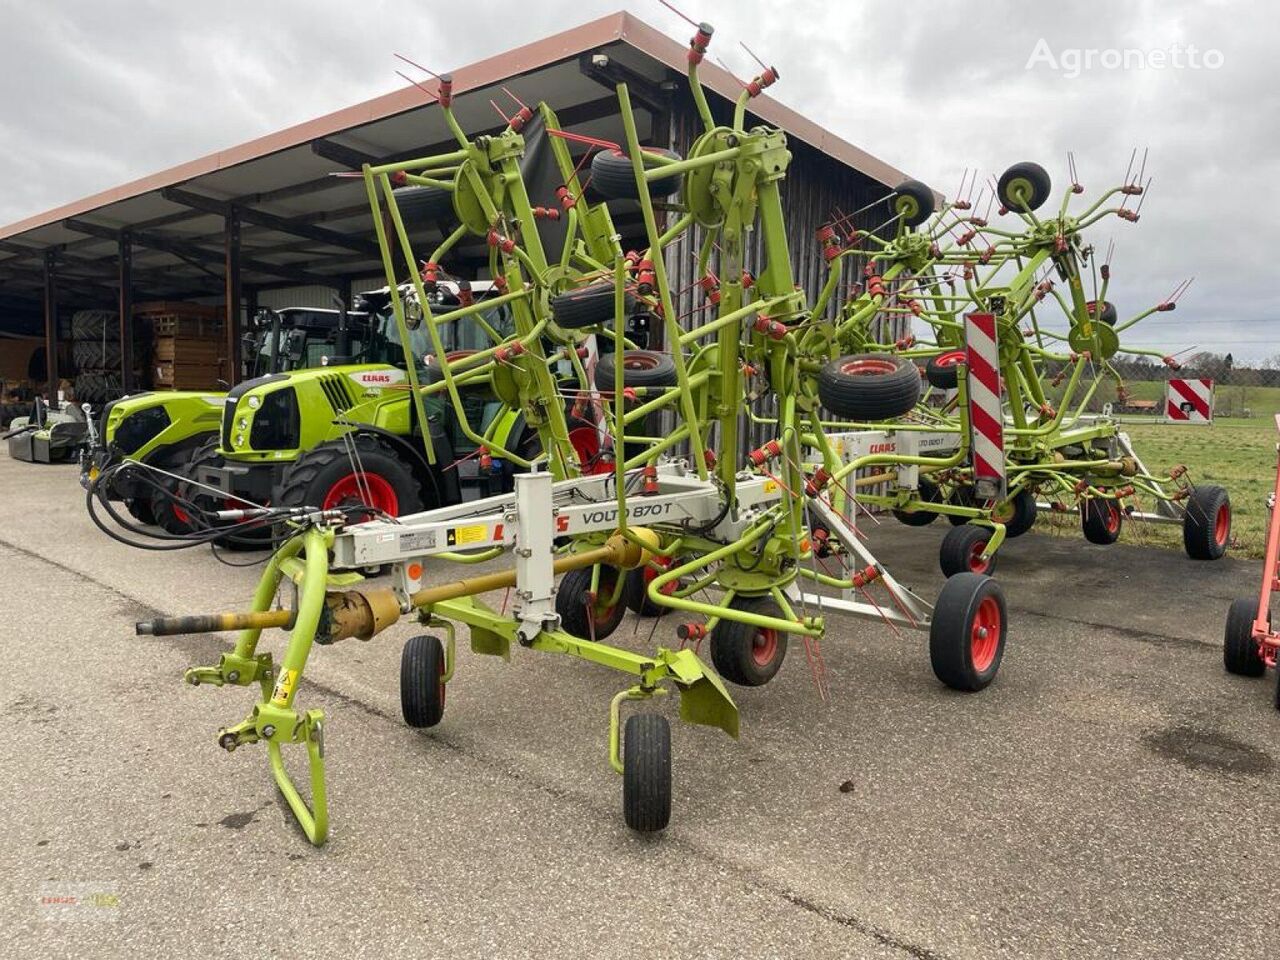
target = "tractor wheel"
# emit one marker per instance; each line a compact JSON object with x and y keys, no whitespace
{"x":640,"y":368}
{"x":746,"y":655}
{"x":422,"y":667}
{"x":869,"y":386}
{"x":961,"y":551}
{"x":1206,"y":526}
{"x":425,"y":206}
{"x":966,"y":637}
{"x":1239,"y":650}
{"x":646,"y":772}
{"x":913,"y":201}
{"x":614,"y":179}
{"x":635,"y":592}
{"x":917,"y":516}
{"x":176,"y":518}
{"x":1024,"y":186}
{"x":1101,"y":521}
{"x":140,"y":509}
{"x":941,"y":370}
{"x":588,"y":306}
{"x":1108,"y":314}
{"x":324,"y":477}
{"x":1018,"y":513}
{"x":582,"y":616}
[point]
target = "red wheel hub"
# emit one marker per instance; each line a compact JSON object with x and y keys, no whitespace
{"x":1222,"y":525}
{"x":764,"y":646}
{"x":603,"y":614}
{"x":1112,"y":518}
{"x":984,"y":634}
{"x":976,"y":563}
{"x":952,"y":359}
{"x":650,"y":574}
{"x":369,"y":489}
{"x":867,"y":367}
{"x":641,"y":361}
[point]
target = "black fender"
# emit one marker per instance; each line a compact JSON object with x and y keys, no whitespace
{"x":440,"y":487}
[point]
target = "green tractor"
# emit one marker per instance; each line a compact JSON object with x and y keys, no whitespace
{"x":165,"y":429}
{"x":349,"y":434}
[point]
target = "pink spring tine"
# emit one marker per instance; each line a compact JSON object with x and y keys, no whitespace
{"x":400,"y":56}
{"x":690,"y":21}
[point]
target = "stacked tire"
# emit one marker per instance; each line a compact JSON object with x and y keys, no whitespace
{"x":95,"y":349}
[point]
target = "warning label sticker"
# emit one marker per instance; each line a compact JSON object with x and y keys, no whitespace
{"x":284,"y":687}
{"x":461,"y":536}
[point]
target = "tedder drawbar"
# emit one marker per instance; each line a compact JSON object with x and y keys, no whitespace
{"x":681,"y":521}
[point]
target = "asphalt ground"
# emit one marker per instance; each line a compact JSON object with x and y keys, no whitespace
{"x":1112,"y":794}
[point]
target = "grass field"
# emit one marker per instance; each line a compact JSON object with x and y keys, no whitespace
{"x":1239,"y":454}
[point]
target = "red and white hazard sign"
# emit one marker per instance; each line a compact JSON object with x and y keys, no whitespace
{"x":1189,"y":401}
{"x":986,"y":414}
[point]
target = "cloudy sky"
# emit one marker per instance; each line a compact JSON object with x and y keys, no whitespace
{"x":93,"y":94}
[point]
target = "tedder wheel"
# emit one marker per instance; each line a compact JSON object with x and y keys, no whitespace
{"x":1239,"y":650}
{"x":961,"y":551}
{"x":1206,"y":526}
{"x":640,"y":368}
{"x":587,"y":306}
{"x":1024,"y":184}
{"x":869,"y":386}
{"x":914,"y":202}
{"x":1018,"y":513}
{"x":583,"y":617}
{"x":635,"y":592}
{"x":425,"y":206}
{"x":422,"y":670}
{"x":966,"y":637}
{"x":941,"y":370}
{"x":961,"y":497}
{"x":917,"y":516}
{"x":324,"y":477}
{"x":1108,"y":314}
{"x":614,"y":179}
{"x":646,"y":772}
{"x":1101,"y":521}
{"x":746,"y":655}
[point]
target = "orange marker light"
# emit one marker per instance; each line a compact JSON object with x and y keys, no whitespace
{"x":415,"y":571}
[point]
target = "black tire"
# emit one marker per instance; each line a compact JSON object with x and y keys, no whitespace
{"x":140,"y":509}
{"x":746,"y":655}
{"x":941,"y":371}
{"x":1108,"y":314}
{"x":919,"y":517}
{"x":961,"y":549}
{"x":425,"y":206}
{"x":322,"y":473}
{"x":646,"y":772}
{"x":613,"y":178}
{"x":171,"y":516}
{"x":422,"y":686}
{"x":914,"y":201}
{"x":579,"y":616}
{"x":588,"y":306}
{"x":1101,"y":521}
{"x":1024,"y":183}
{"x":635,"y":593}
{"x":961,"y":657}
{"x":96,"y":354}
{"x":961,"y":497}
{"x":1021,"y":513}
{"x":1239,"y":651}
{"x":869,"y":386}
{"x":640,"y":368}
{"x":1206,"y":526}
{"x":94,"y":325}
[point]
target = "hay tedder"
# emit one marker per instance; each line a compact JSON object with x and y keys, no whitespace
{"x":749,"y":543}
